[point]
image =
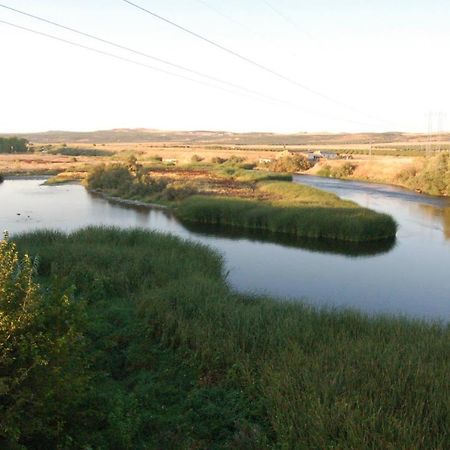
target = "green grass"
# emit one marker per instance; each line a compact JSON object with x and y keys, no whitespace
{"x":62,"y":178}
{"x":182,"y":362}
{"x":296,"y":210}
{"x":69,"y":151}
{"x":278,"y":206}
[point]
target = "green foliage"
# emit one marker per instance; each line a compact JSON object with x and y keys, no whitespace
{"x":250,"y":176}
{"x":178,"y":190}
{"x":183,"y":362}
{"x":13,"y":145}
{"x":295,"y":163}
{"x":42,"y":365}
{"x":432,"y":178}
{"x":69,"y":151}
{"x":351,"y":224}
{"x":296,"y":210}
{"x":146,"y":391}
{"x":131,"y":181}
{"x":256,"y":176}
{"x":342,"y":171}
{"x":196,"y":159}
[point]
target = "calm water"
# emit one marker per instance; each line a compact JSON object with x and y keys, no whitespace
{"x":410,"y":276}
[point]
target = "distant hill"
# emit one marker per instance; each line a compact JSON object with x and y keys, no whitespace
{"x":123,"y":135}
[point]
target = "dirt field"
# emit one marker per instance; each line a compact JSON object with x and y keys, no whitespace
{"x":375,"y":168}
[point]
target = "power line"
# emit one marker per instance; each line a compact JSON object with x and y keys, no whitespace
{"x":112,"y":55}
{"x":256,"y":34}
{"x":252,"y":93}
{"x":226,"y":16}
{"x":248,"y":60}
{"x":146,"y":55}
{"x":286,"y":18}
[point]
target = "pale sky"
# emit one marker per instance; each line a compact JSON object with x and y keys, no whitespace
{"x":384,"y":63}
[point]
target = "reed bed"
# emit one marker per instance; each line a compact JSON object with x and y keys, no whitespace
{"x":180,"y":361}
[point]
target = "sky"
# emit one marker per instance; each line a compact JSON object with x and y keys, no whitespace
{"x":342,"y":66}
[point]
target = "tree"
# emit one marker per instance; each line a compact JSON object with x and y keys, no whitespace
{"x":42,"y":368}
{"x":13,"y":145}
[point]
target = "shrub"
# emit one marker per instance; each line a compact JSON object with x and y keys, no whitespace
{"x":218,"y":160}
{"x":178,"y":191}
{"x":345,"y":170}
{"x":296,"y":163}
{"x":131,"y":181}
{"x":324,"y":171}
{"x":433,"y":177}
{"x":196,"y":158}
{"x":42,"y":367}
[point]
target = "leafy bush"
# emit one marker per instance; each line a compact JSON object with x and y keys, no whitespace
{"x":124,"y":181}
{"x":13,"y":145}
{"x":324,"y":171}
{"x":196,"y":158}
{"x":183,"y":362}
{"x":343,"y":171}
{"x":433,"y":177}
{"x":178,"y":190}
{"x":42,"y":363}
{"x":295,"y":163}
{"x":218,"y":160}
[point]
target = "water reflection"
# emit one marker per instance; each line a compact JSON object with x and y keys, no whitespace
{"x":440,"y":215}
{"x":349,"y":249}
{"x":410,"y":277}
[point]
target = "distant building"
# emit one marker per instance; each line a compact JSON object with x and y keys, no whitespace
{"x":169,"y":161}
{"x":326,"y":155}
{"x":265,"y":161}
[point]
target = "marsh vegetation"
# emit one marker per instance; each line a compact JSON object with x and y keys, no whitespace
{"x":171,"y":358}
{"x":232,"y":196}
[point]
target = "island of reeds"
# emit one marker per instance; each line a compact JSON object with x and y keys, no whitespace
{"x":232,"y":195}
{"x":128,"y":339}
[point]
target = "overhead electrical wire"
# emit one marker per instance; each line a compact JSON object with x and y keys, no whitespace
{"x":250,"y":61}
{"x":137,"y":52}
{"x":227,"y":17}
{"x":252,"y":92}
{"x":112,"y":55}
{"x":255,"y":34}
{"x":282,"y":15}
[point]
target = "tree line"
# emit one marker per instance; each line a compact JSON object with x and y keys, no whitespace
{"x":13,"y":145}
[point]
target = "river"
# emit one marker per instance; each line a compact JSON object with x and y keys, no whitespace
{"x":410,"y":276}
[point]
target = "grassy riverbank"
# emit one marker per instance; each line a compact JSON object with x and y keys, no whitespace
{"x":245,"y":199}
{"x":178,"y":361}
{"x":429,"y":175}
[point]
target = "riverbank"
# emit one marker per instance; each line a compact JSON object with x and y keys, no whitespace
{"x":180,"y":361}
{"x":228,"y":196}
{"x":429,"y":175}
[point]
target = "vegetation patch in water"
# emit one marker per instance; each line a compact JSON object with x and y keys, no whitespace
{"x":246,"y":199}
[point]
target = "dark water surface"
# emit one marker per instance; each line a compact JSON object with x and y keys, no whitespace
{"x":410,"y":276}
